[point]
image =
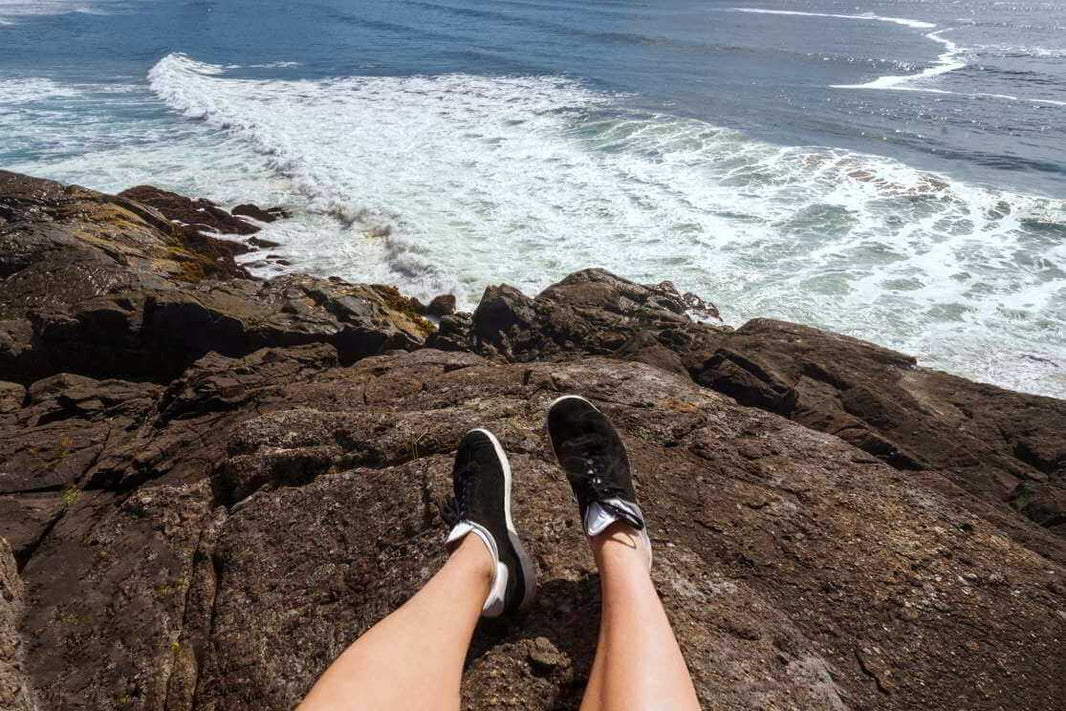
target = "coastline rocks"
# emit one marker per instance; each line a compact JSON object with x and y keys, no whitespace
{"x":270,"y":214}
{"x":210,"y":484}
{"x":591,"y":312}
{"x":142,"y":298}
{"x":1004,"y":448}
{"x":440,"y":306}
{"x":995,"y":444}
{"x":271,"y":506}
{"x":199,"y":214}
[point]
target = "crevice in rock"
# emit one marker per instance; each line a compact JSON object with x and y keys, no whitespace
{"x":1024,"y":453}
{"x":23,"y":556}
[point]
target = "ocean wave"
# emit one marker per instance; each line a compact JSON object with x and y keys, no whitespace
{"x":949,"y":61}
{"x":25,"y":90}
{"x":1019,"y":52}
{"x":446,"y":183}
{"x":20,"y":8}
{"x":904,"y":21}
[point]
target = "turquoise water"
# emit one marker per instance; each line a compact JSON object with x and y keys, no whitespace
{"x":893,"y":170}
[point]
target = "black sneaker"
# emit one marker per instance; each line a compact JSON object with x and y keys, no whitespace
{"x":481,"y":479}
{"x":592,"y":454}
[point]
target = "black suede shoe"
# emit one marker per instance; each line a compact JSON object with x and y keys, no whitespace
{"x":592,"y":454}
{"x":481,"y":480}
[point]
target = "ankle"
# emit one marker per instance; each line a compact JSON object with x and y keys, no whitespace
{"x":621,"y":545}
{"x":474,"y":554}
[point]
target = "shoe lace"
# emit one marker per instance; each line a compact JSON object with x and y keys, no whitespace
{"x":597,"y":484}
{"x":457,"y":506}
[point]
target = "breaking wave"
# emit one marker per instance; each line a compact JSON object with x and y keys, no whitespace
{"x":448,"y":183}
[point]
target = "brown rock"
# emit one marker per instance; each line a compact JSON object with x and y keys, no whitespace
{"x":15,"y":690}
{"x":334,"y":479}
{"x":861,"y":533}
{"x":11,"y":398}
{"x":454,"y":333}
{"x":271,"y":214}
{"x":200,"y":214}
{"x":590,"y":312}
{"x":261,"y":243}
{"x":443,"y":305}
{"x":135,"y":303}
{"x":1004,"y":447}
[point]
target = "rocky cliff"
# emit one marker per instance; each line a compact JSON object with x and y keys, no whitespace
{"x":210,"y":484}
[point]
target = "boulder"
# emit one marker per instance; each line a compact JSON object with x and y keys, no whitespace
{"x":299,"y":502}
{"x":454,"y":333}
{"x":200,"y":214}
{"x":591,"y":312}
{"x":440,"y":306}
{"x":270,"y":214}
{"x":1000,"y":446}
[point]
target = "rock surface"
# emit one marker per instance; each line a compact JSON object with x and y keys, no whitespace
{"x":142,"y":297}
{"x":835,"y":527}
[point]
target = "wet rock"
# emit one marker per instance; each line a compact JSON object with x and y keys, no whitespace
{"x":261,"y":243}
{"x":443,"y":305}
{"x":200,"y":214}
{"x":270,"y":214}
{"x":143,"y":298}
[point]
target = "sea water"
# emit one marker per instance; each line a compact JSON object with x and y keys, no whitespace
{"x":892,"y":170}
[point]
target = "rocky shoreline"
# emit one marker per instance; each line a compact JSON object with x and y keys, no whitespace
{"x":197,"y":468}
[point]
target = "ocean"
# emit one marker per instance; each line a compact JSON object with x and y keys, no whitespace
{"x":892,"y":170}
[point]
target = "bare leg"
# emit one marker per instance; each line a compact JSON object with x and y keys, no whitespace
{"x":413,"y":659}
{"x":638,"y":664}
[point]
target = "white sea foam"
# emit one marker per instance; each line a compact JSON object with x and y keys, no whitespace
{"x":32,"y":89}
{"x":906,"y":22}
{"x":950,"y":60}
{"x":453,"y":182}
{"x":21,"y":8}
{"x":1020,"y":51}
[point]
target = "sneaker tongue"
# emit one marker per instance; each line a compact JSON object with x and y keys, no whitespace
{"x":600,"y":515}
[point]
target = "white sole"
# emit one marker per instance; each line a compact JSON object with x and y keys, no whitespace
{"x":528,"y":571}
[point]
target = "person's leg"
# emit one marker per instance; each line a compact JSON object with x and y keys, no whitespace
{"x":379,"y":670}
{"x":413,"y":659}
{"x":638,"y":662}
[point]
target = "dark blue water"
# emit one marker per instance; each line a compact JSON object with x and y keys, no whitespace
{"x":768,"y":75}
{"x":890,"y":169}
